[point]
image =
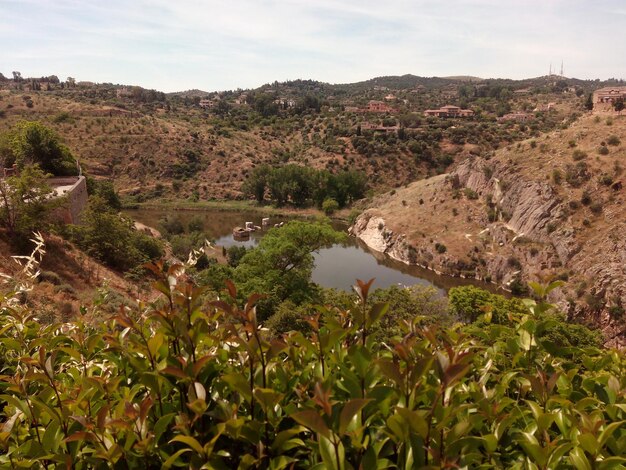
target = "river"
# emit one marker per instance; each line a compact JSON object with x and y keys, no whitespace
{"x":338,"y":266}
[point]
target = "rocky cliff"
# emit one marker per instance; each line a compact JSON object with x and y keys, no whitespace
{"x":544,"y":209}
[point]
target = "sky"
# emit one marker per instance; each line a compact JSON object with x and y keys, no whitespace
{"x":174,"y":45}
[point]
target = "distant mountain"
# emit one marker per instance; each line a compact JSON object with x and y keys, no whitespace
{"x":464,"y":78}
{"x":195,"y":93}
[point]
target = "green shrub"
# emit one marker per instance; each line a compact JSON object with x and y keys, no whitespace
{"x":330,"y":206}
{"x":65,"y":289}
{"x":596,"y":208}
{"x":470,"y":194}
{"x":613,"y":140}
{"x":192,"y":383}
{"x":51,"y":277}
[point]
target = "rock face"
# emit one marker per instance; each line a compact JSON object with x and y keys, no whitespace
{"x":372,"y":231}
{"x":516,"y":217}
{"x":532,"y":207}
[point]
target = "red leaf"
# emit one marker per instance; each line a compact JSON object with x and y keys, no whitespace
{"x":232,"y":290}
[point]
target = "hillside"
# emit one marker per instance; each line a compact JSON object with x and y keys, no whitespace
{"x":197,"y":145}
{"x":551,"y":207}
{"x":71,"y":280}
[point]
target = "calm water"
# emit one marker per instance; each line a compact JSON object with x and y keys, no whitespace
{"x":338,"y":266}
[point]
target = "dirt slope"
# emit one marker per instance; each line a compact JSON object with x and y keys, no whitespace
{"x":542,"y":209}
{"x":69,"y":279}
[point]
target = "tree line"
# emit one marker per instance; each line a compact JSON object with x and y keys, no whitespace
{"x":301,"y":185}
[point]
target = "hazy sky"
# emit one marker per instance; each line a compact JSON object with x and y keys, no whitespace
{"x":175,"y":45}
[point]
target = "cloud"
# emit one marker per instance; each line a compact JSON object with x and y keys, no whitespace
{"x":220,"y":44}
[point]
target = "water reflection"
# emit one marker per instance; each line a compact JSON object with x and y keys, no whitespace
{"x":338,"y":266}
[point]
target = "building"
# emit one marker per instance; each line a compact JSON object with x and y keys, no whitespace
{"x":206,"y":104}
{"x":372,"y":107}
{"x":379,"y":107}
{"x":368,"y":126}
{"x":609,"y":94}
{"x":449,"y":111}
{"x":285,"y":103}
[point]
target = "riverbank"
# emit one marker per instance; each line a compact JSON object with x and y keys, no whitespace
{"x":229,"y":205}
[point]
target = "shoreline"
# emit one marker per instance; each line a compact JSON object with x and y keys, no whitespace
{"x":237,"y":206}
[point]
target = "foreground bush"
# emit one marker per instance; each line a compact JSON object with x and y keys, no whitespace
{"x":192,"y":384}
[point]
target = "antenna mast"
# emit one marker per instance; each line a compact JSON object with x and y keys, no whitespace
{"x":562,"y":69}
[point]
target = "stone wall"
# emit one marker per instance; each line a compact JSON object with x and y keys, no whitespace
{"x":76,"y":194}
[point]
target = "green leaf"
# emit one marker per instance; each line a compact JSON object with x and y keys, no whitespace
{"x":416,"y":422}
{"x":608,"y":431}
{"x":172,"y":459}
{"x":312,"y":420}
{"x":333,"y":458}
{"x":191,"y":442}
{"x":526,"y":341}
{"x":51,"y":437}
{"x":267,"y":398}
{"x":532,"y":447}
{"x":588,"y":442}
{"x":349,"y":411}
{"x":162,"y":425}
{"x":278,"y":463}
{"x":238,"y":383}
{"x":284,"y":436}
{"x":376,"y":313}
{"x":557,"y":455}
{"x":154,"y":343}
{"x":579,"y":460}
{"x":611,"y":462}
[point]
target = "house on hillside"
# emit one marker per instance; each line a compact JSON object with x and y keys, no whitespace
{"x":285,"y":103}
{"x":368,"y":126}
{"x":206,"y":104}
{"x":449,"y":111}
{"x":379,"y":107}
{"x":609,"y":94}
{"x":242,"y":99}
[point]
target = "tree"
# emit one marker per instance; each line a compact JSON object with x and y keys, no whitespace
{"x":24,"y":202}
{"x":17,"y":76}
{"x":256,"y":182}
{"x":619,"y":106}
{"x":112,"y":238}
{"x":329,"y":206}
{"x":282,"y":263}
{"x":30,"y":142}
{"x":264,"y":105}
{"x":589,"y":102}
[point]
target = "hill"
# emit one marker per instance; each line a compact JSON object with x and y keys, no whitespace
{"x":551,"y":207}
{"x":177,"y":146}
{"x":71,"y":280}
